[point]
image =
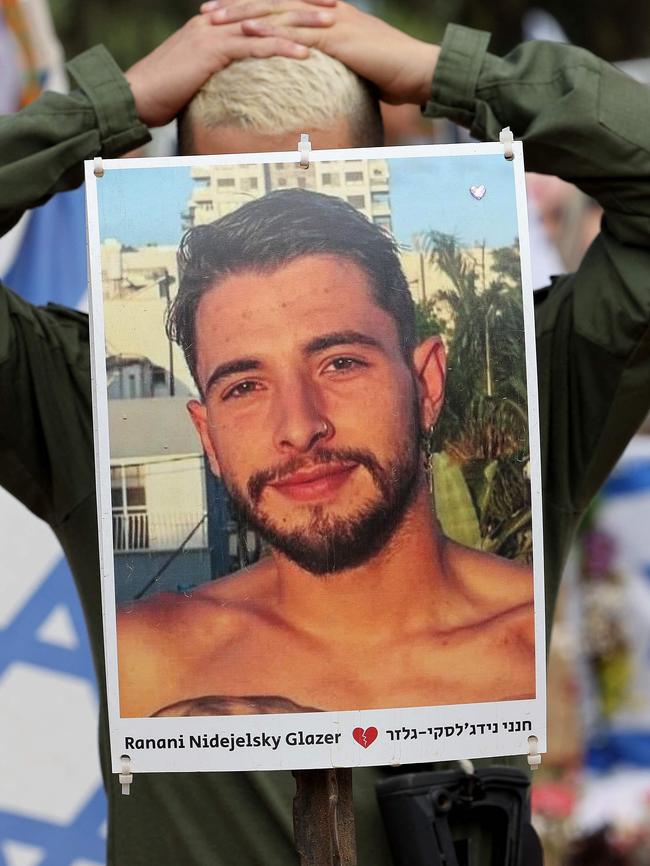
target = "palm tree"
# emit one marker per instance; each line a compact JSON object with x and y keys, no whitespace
{"x":484,"y":426}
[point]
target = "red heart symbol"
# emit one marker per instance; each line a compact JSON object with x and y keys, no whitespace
{"x":365,"y":738}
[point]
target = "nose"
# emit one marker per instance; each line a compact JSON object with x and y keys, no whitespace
{"x":300,"y":422}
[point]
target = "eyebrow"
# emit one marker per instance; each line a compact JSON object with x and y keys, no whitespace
{"x":317,"y":344}
{"x":340,"y":338}
{"x":230,"y":368}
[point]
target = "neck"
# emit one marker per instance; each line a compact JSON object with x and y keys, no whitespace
{"x":367,"y":602}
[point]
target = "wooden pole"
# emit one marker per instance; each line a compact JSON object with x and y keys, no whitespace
{"x":323,"y":818}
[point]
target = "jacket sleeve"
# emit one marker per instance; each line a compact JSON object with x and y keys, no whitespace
{"x":585,"y":121}
{"x":42,"y":147}
{"x":45,"y":407}
{"x":46,"y":440}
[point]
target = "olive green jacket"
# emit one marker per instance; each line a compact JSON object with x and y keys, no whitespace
{"x":579,"y":118}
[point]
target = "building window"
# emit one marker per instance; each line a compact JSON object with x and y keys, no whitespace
{"x":379,"y":197}
{"x":383,"y":222}
{"x":331,"y":178}
{"x":353,"y":176}
{"x":225,"y":181}
{"x":249,"y":183}
{"x":128,"y":499}
{"x":358,"y":201}
{"x":205,"y":205}
{"x":158,"y":380}
{"x":282,"y":181}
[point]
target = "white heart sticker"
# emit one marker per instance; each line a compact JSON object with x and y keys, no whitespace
{"x":477,"y":192}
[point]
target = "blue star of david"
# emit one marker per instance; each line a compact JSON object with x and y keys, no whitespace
{"x":18,"y":643}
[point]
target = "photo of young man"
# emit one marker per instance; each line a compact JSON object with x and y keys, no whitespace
{"x":316,"y":403}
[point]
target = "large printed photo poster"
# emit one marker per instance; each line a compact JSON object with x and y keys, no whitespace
{"x":317,"y":458}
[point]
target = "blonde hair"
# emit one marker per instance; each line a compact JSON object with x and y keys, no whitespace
{"x":278,"y":95}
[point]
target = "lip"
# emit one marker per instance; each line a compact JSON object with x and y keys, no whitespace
{"x":316,"y":482}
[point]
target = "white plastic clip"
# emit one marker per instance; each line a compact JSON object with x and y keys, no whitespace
{"x":534,"y":757}
{"x":98,"y":166}
{"x":304,"y":148}
{"x":126,"y":776}
{"x":506,"y":138}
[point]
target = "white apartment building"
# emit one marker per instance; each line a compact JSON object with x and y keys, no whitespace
{"x":137,"y":270}
{"x":138,"y":285}
{"x":221,"y":189}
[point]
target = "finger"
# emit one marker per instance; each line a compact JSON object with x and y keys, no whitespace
{"x":294,"y":18}
{"x":261,"y":28}
{"x":241,"y":11}
{"x":213,"y":5}
{"x":274,"y":46}
{"x":302,"y":18}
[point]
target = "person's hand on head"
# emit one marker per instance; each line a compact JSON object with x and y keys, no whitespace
{"x":264,"y":7}
{"x":167,"y":78}
{"x":399,"y":65}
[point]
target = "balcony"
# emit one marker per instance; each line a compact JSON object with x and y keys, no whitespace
{"x":130,"y":530}
{"x":136,"y":529}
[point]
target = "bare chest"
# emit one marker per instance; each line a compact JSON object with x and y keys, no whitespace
{"x":485,"y":665}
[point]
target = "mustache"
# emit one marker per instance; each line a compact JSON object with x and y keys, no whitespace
{"x":258,"y":481}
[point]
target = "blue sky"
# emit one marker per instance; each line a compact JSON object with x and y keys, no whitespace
{"x":140,"y":206}
{"x":434,"y":193}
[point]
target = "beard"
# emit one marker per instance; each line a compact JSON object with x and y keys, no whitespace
{"x":328,"y":543}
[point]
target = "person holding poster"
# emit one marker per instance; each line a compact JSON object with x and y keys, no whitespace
{"x":578,"y":117}
{"x":316,"y":405}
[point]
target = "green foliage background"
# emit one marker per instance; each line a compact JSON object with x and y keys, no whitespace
{"x":479,"y":447}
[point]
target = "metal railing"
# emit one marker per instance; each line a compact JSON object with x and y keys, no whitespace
{"x":130,"y":530}
{"x":138,"y":529}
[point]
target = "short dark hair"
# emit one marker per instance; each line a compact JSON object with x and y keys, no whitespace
{"x":273,"y":231}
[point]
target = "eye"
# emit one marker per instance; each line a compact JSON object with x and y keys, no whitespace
{"x":241,"y":389}
{"x":343,"y":364}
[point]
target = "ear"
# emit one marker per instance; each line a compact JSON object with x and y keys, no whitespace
{"x":199,"y":416}
{"x":430,"y":363}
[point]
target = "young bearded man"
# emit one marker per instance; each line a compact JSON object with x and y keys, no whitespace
{"x":578,"y":117}
{"x":298,"y":325}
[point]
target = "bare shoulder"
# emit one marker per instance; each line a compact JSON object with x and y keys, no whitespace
{"x":246,"y":585}
{"x":498,"y":614}
{"x":141,"y":622}
{"x":495,"y":585}
{"x":162,"y":639}
{"x":148,"y":637}
{"x":167,"y":613}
